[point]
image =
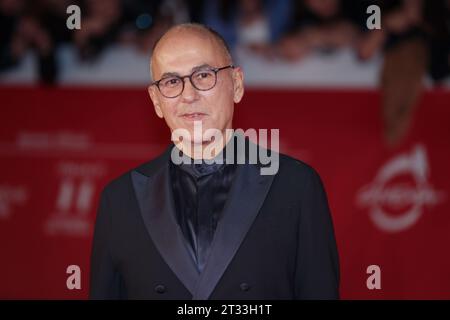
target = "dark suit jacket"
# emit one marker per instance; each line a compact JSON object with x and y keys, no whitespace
{"x":275,"y":239}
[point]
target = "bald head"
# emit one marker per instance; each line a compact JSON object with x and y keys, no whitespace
{"x":190,"y":33}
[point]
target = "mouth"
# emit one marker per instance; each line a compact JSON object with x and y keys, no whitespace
{"x":194,"y":116}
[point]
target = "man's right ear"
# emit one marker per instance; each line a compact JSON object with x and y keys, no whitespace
{"x":155,"y":99}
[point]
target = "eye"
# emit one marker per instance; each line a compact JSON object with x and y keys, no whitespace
{"x":201,"y":75}
{"x":171,"y":82}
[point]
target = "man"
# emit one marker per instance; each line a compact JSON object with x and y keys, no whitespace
{"x":210,"y":229}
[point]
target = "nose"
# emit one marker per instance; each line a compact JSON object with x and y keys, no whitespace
{"x":189,"y":93}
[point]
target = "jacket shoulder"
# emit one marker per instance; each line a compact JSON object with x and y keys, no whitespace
{"x":147,"y":169}
{"x":296,"y":167}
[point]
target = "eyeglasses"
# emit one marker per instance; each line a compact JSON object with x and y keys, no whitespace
{"x":203,"y":80}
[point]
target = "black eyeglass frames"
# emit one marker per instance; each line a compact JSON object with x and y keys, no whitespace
{"x":202,"y":79}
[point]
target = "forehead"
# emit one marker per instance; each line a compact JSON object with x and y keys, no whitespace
{"x":180,"y":51}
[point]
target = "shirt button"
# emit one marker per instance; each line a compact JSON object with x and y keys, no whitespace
{"x":160,"y":288}
{"x":244,"y":286}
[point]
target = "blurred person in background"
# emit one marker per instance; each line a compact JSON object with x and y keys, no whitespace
{"x":253,"y":26}
{"x":101,"y":23}
{"x":250,"y":24}
{"x":415,"y":41}
{"x":322,"y":25}
{"x":146,"y":21}
{"x":143,"y":24}
{"x":11,"y":47}
{"x":34,"y":25}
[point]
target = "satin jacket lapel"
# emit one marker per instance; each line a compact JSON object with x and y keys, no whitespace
{"x":155,"y":199}
{"x":246,"y":198}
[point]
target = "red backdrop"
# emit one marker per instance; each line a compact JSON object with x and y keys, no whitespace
{"x":390,"y":206}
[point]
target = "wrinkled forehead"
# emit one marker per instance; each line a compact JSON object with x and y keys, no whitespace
{"x":183,"y":50}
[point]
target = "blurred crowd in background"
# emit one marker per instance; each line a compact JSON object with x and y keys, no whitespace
{"x":285,"y":29}
{"x":413,"y":41}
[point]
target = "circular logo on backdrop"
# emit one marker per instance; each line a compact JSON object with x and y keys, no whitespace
{"x":400,"y":191}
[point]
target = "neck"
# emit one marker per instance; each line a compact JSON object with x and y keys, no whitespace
{"x":205,"y":149}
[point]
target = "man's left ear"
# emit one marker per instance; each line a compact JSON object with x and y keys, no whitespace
{"x":238,"y":84}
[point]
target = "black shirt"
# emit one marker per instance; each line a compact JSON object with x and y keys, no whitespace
{"x":200,"y":193}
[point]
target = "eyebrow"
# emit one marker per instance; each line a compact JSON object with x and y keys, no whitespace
{"x":176,"y":74}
